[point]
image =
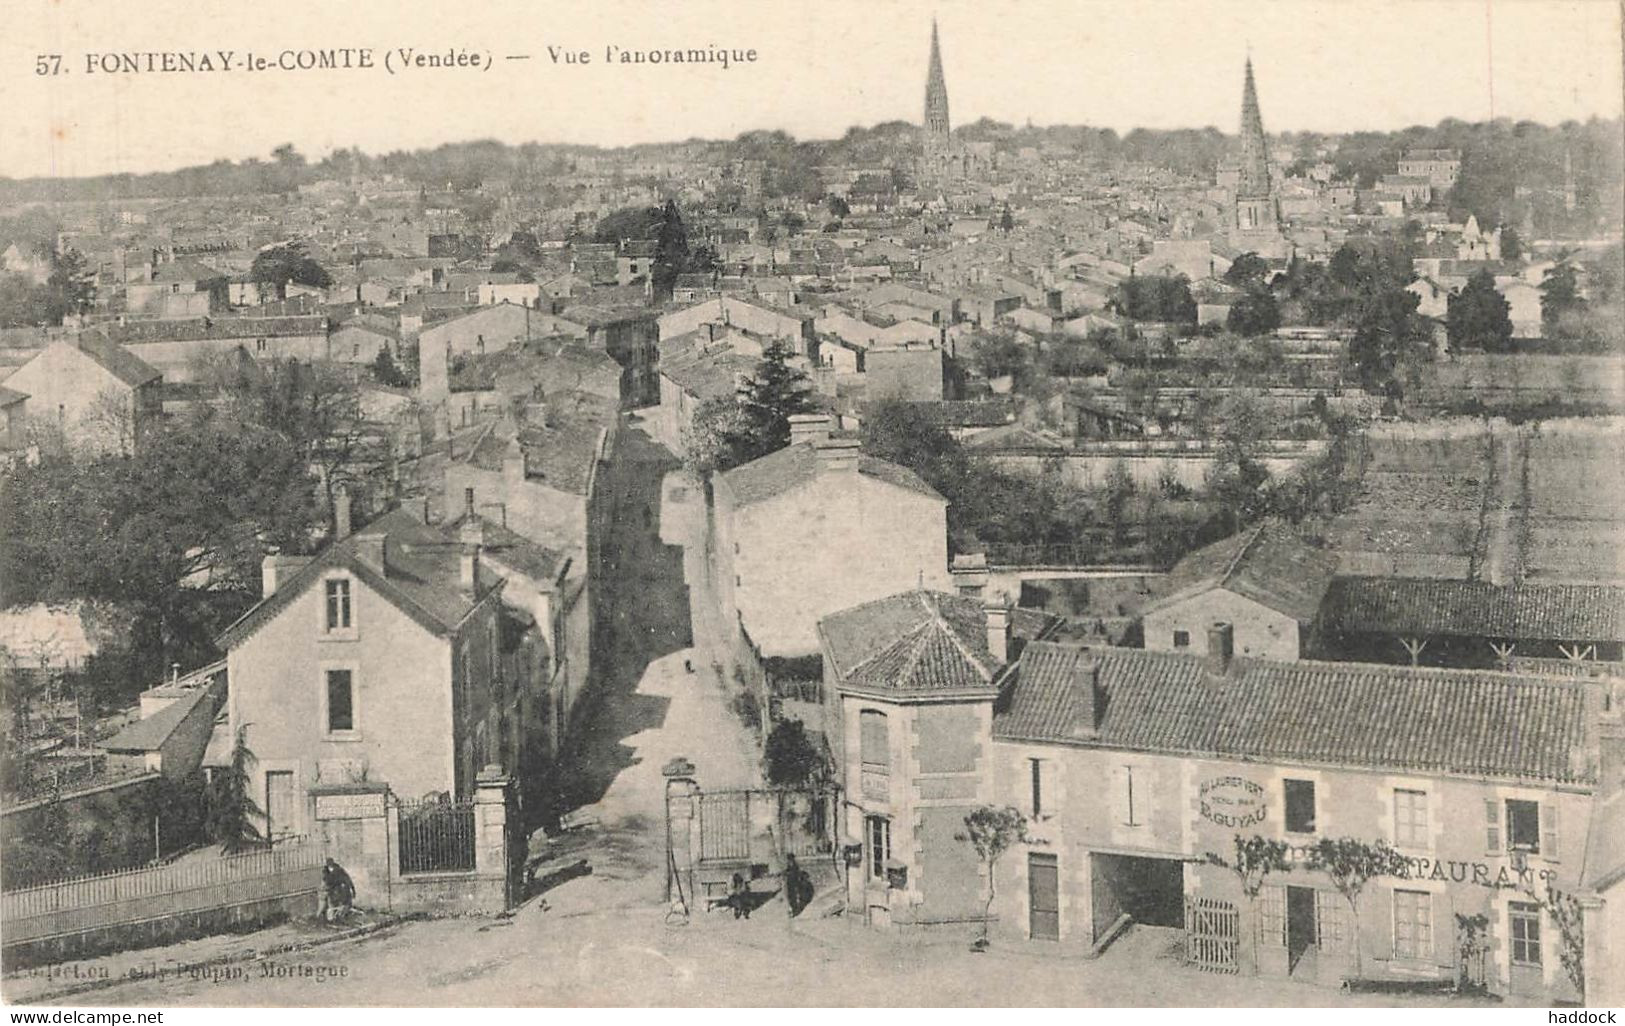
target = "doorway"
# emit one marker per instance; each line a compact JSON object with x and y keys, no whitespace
{"x":279,"y":805}
{"x":1043,"y":897}
{"x":1300,"y":924}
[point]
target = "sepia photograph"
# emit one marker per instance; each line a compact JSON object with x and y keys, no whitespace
{"x":458,"y":548}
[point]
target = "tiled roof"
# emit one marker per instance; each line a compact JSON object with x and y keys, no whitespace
{"x":118,"y":361}
{"x":794,"y":465}
{"x":919,"y":641}
{"x":1419,"y":605}
{"x":1474,"y":722}
{"x":423,"y":577}
{"x":149,"y":733}
{"x":215,"y":328}
{"x":560,"y":454}
{"x":1265,"y":563}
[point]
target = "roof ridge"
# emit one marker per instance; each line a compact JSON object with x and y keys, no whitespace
{"x":1235,"y":560}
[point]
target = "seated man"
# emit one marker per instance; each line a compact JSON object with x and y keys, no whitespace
{"x":338,"y":893}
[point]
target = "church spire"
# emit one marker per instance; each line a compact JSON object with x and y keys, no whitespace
{"x":1255,"y":168}
{"x":936,"y":102}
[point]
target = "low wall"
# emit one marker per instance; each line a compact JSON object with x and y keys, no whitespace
{"x":446,"y":894}
{"x":1090,"y":470}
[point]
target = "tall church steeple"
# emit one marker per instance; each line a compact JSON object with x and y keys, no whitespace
{"x":936,"y":126}
{"x":1255,"y":208}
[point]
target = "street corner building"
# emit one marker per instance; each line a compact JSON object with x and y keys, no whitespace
{"x":1138,"y":771}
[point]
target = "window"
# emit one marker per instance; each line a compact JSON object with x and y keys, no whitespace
{"x":338,"y":604}
{"x":879,"y":833}
{"x":259,"y":345}
{"x":1182,"y":639}
{"x":1272,"y":915}
{"x":1128,"y":794}
{"x":1410,"y":818}
{"x":1523,"y":825}
{"x":1331,"y":921}
{"x":873,"y":741}
{"x":1038,"y":786}
{"x":1492,"y":826}
{"x":340,"y":701}
{"x":1413,"y":924}
{"x":1300,"y":806}
{"x":1524,"y":922}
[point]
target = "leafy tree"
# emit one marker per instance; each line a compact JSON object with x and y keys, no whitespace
{"x":1511,"y":244}
{"x":1119,"y":491}
{"x":274,"y":268}
{"x":838,"y":207}
{"x":232,"y":809}
{"x":992,"y":831}
{"x":1007,"y":223}
{"x":629,"y":223}
{"x":1479,"y":316}
{"x":1351,"y":864}
{"x":793,"y":760}
{"x":71,"y":286}
{"x":1387,"y":330}
{"x":1559,"y":296}
{"x":1255,"y":859}
{"x":999,"y":354}
{"x":707,"y":440}
{"x":1248,"y":271}
{"x":387,"y":371}
{"x":1156,"y":298}
{"x":1255,"y":313}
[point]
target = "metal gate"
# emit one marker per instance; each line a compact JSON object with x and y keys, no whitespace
{"x":725,"y":826}
{"x":1211,"y":928}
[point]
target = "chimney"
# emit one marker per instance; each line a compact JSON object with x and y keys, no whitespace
{"x":1221,"y":646}
{"x":1089,"y":701}
{"x":838,"y":454}
{"x":372,"y":548}
{"x":341,"y":513}
{"x":469,"y":569}
{"x":275,"y":569}
{"x":998,"y":630}
{"x":808,"y":427}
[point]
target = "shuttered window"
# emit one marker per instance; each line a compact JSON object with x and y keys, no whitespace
{"x":1492,"y":826}
{"x":873,"y":742}
{"x":1410,"y":818}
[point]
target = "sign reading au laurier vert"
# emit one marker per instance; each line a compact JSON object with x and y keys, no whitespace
{"x":350,"y":806}
{"x":1232,"y":801}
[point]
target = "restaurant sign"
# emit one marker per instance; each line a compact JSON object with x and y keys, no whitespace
{"x":1232,"y":801}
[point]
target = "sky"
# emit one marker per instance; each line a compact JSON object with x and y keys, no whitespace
{"x":821,"y":67}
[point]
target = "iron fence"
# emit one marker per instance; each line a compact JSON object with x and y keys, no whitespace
{"x":437,"y":837}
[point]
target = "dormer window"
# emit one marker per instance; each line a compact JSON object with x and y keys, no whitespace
{"x":337,"y":615}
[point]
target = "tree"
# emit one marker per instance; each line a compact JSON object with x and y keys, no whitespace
{"x":1119,"y":491}
{"x":232,"y":809}
{"x":71,"y":286}
{"x":387,"y":371}
{"x":1387,"y":328}
{"x":1248,"y":271}
{"x":793,"y":760}
{"x":1156,"y":298}
{"x":1511,"y":244}
{"x":1255,"y":858}
{"x":708,"y":438}
{"x":838,"y":207}
{"x":1559,"y":296}
{"x":992,"y":831}
{"x":767,"y":400}
{"x":1254,"y":314}
{"x":276,"y":266}
{"x":671,"y":250}
{"x":1007,"y":223}
{"x":1479,"y":316}
{"x":1351,"y":864}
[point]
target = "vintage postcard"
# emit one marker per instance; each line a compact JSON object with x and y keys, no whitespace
{"x":826,"y":503}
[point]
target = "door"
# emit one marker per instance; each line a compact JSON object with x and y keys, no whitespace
{"x":280,"y":816}
{"x":1300,"y":924}
{"x":1043,"y":897}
